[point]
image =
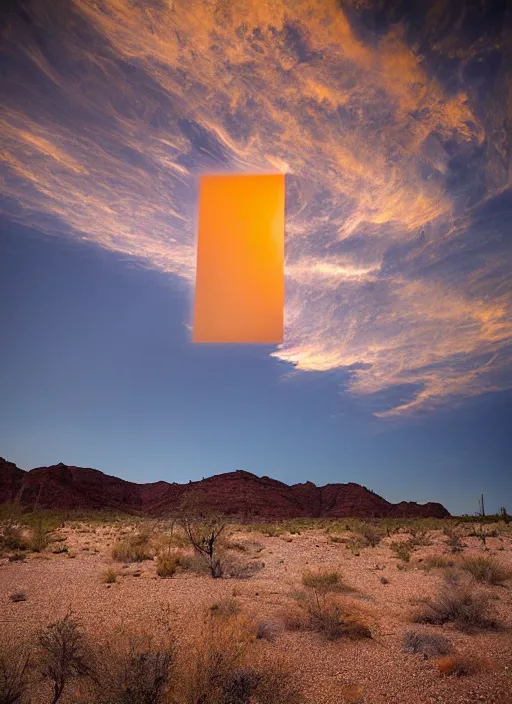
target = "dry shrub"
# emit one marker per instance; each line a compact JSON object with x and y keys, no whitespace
{"x":334,"y":618}
{"x":324,"y":582}
{"x":168,"y":563}
{"x":267,"y":630}
{"x":17,"y":596}
{"x":64,"y":654}
{"x":437,"y":562}
{"x":458,"y":605}
{"x":136,"y":548}
{"x":221,"y":666}
{"x":234,"y":568}
{"x":214,"y":650}
{"x":15,"y":666}
{"x":402,"y":550}
{"x":371,"y":535}
{"x":430,"y":645}
{"x":225,"y":608}
{"x":12,"y":538}
{"x":454,"y":540}
{"x":110,"y":576}
{"x":485,"y":569}
{"x":133,"y":671}
{"x":294,"y":618}
{"x":461,"y":665}
{"x":193,"y":563}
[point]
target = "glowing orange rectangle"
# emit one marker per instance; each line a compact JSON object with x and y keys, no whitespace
{"x":239,"y":293}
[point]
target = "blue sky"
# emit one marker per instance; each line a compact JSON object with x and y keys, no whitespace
{"x":391,"y":122}
{"x":97,"y":369}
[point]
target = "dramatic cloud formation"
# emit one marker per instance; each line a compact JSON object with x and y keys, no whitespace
{"x":395,"y":135}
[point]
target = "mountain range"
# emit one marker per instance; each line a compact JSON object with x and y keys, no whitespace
{"x":238,"y":494}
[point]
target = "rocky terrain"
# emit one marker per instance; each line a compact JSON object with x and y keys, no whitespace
{"x":239,"y":494}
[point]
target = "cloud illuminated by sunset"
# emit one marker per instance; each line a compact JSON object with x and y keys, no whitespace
{"x":392,"y":162}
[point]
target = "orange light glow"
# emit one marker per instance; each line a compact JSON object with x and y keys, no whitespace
{"x":239,"y":293}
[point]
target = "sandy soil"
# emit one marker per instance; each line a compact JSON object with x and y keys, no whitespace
{"x":371,"y":671}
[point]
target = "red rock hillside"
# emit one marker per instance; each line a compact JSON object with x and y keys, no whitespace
{"x":239,"y":494}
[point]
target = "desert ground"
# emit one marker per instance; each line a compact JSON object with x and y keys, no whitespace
{"x":324,"y":612}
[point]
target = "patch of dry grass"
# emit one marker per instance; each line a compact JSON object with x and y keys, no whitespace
{"x":324,"y":581}
{"x":458,"y":605}
{"x":485,"y":569}
{"x":134,"y":548}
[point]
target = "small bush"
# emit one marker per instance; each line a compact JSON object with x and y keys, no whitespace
{"x":430,"y":645}
{"x":167,"y":564}
{"x":60,"y":549}
{"x":457,"y":605}
{"x":402,"y":550}
{"x":136,"y":673}
{"x":12,"y":539}
{"x":484,"y":569}
{"x":64,"y":654}
{"x":133,"y":549}
{"x":370,"y":534}
{"x":14,"y":675}
{"x":40,"y":531}
{"x":454,"y":540}
{"x":332,"y":618}
{"x":437,"y":562}
{"x":458,"y":665}
{"x":16,"y":557}
{"x":18,"y":596}
{"x":225,"y":608}
{"x":110,"y":576}
{"x":324,"y":582}
{"x":267,"y":630}
{"x":237,"y":569}
{"x":193,"y":563}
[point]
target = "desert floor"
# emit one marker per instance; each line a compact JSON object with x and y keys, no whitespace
{"x":69,"y":574}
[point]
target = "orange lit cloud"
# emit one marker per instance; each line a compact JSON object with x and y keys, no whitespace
{"x":395,"y":270}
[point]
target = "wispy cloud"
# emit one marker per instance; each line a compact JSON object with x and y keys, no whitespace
{"x":396,"y":265}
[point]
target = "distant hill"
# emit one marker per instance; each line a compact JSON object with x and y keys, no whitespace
{"x":239,"y":494}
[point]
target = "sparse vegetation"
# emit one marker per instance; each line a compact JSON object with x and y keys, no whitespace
{"x":437,"y":562}
{"x":485,"y":569}
{"x":203,"y":529}
{"x":325,"y":581}
{"x":402,"y":549}
{"x":110,"y":576}
{"x":134,"y":673}
{"x":63,"y":654}
{"x":430,"y":645}
{"x":168,"y":563}
{"x":135,"y":548}
{"x":458,"y":665}
{"x":15,"y":665}
{"x":17,"y":596}
{"x":225,"y":608}
{"x":454,"y":540}
{"x":458,"y":605}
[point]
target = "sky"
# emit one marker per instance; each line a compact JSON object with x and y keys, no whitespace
{"x":392,"y":124}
